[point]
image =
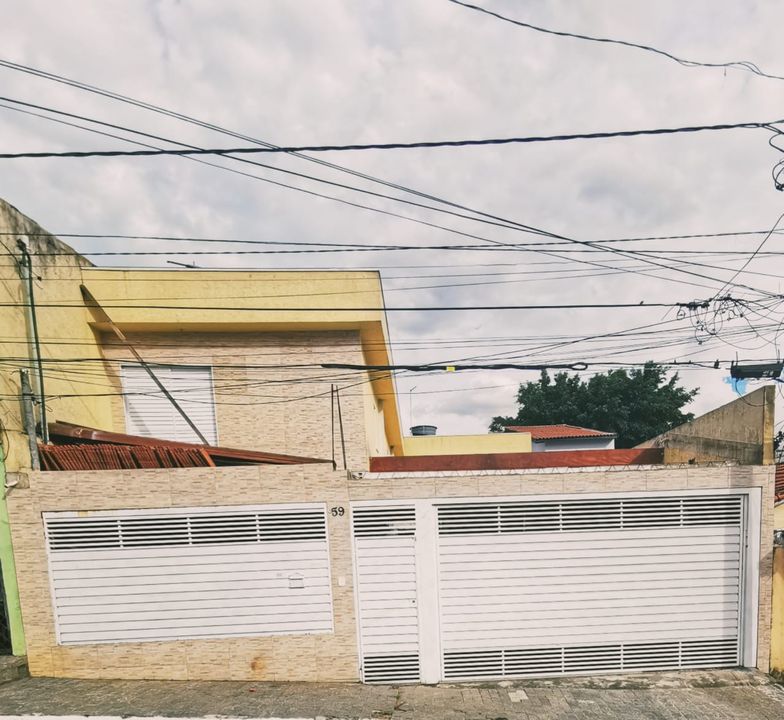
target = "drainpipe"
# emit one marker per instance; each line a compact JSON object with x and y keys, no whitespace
{"x":26,"y":269}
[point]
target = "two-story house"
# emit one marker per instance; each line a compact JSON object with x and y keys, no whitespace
{"x":194,"y":490}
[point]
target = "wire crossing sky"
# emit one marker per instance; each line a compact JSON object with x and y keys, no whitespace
{"x":418,"y":145}
{"x":584,"y":227}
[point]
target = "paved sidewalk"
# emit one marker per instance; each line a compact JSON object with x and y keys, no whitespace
{"x":723,"y":695}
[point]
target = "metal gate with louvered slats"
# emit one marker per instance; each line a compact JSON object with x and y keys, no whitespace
{"x":493,"y":588}
{"x":145,"y":575}
{"x":579,"y":586}
{"x":385,"y":555}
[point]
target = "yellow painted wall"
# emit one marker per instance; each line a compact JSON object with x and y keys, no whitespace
{"x":248,"y":302}
{"x":467,"y":444}
{"x":777,"y":627}
{"x":778,"y":516}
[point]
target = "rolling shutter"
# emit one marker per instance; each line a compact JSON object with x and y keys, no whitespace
{"x":541,"y":588}
{"x":149,"y":412}
{"x":384,"y":547}
{"x":194,"y":573}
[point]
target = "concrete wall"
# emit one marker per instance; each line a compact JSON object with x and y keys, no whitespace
{"x":467,"y":444}
{"x":293,"y":657}
{"x":778,"y":516}
{"x":740,"y":431}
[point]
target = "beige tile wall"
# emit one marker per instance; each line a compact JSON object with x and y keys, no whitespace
{"x":273,"y":409}
{"x":293,"y":657}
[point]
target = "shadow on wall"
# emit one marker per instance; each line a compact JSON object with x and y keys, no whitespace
{"x":5,"y":626}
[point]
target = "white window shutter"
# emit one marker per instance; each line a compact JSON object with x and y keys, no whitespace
{"x":149,"y":412}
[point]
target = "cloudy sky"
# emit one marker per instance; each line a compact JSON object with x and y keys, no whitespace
{"x":365,"y":71}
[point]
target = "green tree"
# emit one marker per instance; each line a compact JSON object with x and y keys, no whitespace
{"x":637,"y":404}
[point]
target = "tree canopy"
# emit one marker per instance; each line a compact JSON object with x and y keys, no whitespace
{"x":637,"y":404}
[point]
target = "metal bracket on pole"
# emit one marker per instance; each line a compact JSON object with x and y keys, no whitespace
{"x":102,"y":316}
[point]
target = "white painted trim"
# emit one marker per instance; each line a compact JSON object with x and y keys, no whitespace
{"x":751,"y":578}
{"x":201,"y":510}
{"x":710,"y":492}
{"x":357,"y":609}
{"x":50,"y":578}
{"x":428,"y":607}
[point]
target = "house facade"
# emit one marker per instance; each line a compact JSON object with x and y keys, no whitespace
{"x":310,"y":545}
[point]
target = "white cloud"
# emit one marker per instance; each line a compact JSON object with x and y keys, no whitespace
{"x":332,"y":71}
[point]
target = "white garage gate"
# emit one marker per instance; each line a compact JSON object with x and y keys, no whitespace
{"x":577,"y":585}
{"x":180,"y":573}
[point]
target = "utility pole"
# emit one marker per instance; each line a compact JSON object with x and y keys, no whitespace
{"x":28,"y":418}
{"x":26,"y":271}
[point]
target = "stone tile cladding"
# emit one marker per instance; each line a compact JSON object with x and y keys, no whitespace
{"x":274,"y":409}
{"x":330,"y":657}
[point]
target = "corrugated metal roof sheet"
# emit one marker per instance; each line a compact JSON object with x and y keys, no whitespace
{"x":558,"y":432}
{"x":104,"y":456}
{"x":84,"y":448}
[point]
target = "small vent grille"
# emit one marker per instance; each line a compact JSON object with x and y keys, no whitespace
{"x":672,"y":655}
{"x":384,"y":521}
{"x":390,"y":668}
{"x":709,"y":653}
{"x":190,"y":529}
{"x":578,"y":515}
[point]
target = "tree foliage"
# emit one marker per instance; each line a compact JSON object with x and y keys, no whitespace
{"x":637,"y":404}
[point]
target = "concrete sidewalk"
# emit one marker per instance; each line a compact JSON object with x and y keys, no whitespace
{"x":724,"y":695}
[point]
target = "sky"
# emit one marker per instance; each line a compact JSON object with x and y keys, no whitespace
{"x":351,"y":71}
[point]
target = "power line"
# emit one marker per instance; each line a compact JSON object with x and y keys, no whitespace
{"x":732,"y":65}
{"x":482,"y":142}
{"x":445,"y":308}
{"x":752,"y":255}
{"x":485,"y":217}
{"x":216,"y":128}
{"x":174,"y":238}
{"x":273,"y":168}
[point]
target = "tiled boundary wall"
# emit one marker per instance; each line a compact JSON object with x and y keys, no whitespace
{"x":331,"y":657}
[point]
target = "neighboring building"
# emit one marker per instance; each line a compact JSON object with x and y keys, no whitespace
{"x":466,"y":444}
{"x":549,"y":438}
{"x":307,"y":544}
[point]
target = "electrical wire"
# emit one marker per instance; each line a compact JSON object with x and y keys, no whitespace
{"x":485,"y":217}
{"x":445,"y":308}
{"x":549,"y":243}
{"x":185,"y":118}
{"x":474,"y":142}
{"x":731,"y":65}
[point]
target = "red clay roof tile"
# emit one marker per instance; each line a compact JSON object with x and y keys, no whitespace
{"x":558,"y":432}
